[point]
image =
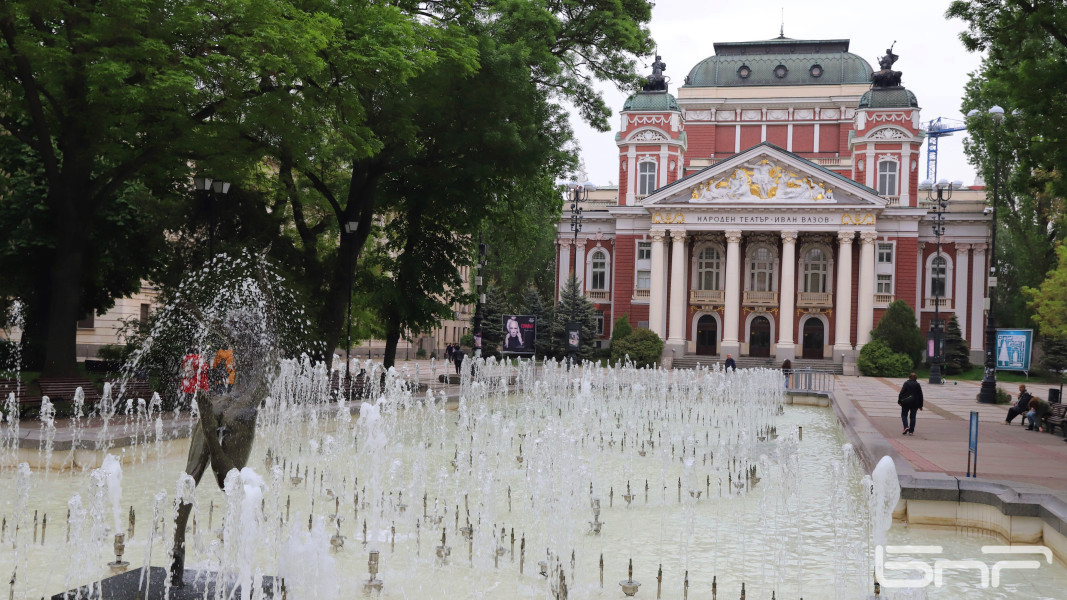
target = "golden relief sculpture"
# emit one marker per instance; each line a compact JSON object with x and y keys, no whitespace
{"x":762,"y":181}
{"x":668,"y":218}
{"x":857,"y":219}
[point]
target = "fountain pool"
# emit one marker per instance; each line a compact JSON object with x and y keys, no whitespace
{"x":723,"y":491}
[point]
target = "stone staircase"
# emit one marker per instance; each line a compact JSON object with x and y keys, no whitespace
{"x":690,"y":361}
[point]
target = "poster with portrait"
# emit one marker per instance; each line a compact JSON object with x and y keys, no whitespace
{"x":520,"y":332}
{"x":574,"y":337}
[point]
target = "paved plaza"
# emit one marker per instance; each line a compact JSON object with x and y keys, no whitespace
{"x":1005,"y":452}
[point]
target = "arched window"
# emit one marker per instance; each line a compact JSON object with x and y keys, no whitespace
{"x":938,"y":276}
{"x":598,"y":272}
{"x":709,"y":267}
{"x":887,"y":178}
{"x":761,"y":263}
{"x":646,"y":177}
{"x":816,"y":270}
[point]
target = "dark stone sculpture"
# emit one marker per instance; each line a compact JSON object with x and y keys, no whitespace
{"x":886,"y":77}
{"x":656,"y":81}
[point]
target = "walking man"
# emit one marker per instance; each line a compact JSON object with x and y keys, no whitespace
{"x":910,"y":400}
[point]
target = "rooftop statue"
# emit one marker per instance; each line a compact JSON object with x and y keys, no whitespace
{"x":886,"y":77}
{"x":656,"y":81}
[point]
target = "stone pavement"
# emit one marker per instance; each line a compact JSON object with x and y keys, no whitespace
{"x":939,"y":446}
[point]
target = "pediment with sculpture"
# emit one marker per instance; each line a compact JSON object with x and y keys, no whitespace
{"x":762,"y":180}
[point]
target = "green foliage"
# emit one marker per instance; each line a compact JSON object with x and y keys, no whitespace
{"x":877,"y":359}
{"x":1025,"y":72}
{"x":532,"y":305}
{"x":643,"y":347}
{"x":900,"y":332}
{"x":467,"y":341}
{"x":493,"y":312}
{"x":574,"y":306}
{"x":1054,"y":357}
{"x":621,"y":329}
{"x":420,"y":353}
{"x":1049,"y":301}
{"x":1002,"y":397}
{"x":957,"y":353}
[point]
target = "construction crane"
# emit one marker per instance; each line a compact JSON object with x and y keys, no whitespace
{"x":935,"y":130}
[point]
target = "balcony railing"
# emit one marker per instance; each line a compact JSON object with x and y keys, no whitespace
{"x":754,"y":298}
{"x":707,"y":297}
{"x":640,"y":294}
{"x":941,"y":303}
{"x":815,"y":299}
{"x":892,"y":200}
{"x":603,"y":295}
{"x":883,"y":299}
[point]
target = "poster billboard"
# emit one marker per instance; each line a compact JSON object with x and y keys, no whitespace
{"x":520,"y":333}
{"x":574,"y":337}
{"x":1013,"y":349}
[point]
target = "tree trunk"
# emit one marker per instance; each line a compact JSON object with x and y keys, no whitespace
{"x":62,"y":298}
{"x":392,"y":338}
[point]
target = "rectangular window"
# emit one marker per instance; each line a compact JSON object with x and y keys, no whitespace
{"x":885,"y":284}
{"x":885,"y":253}
{"x":144,"y":313}
{"x":644,"y":280}
{"x":887,"y":178}
{"x":646,"y":178}
{"x":600,"y":323}
{"x":644,"y":250}
{"x":88,"y":322}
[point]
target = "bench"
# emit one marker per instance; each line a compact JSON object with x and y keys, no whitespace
{"x":1055,"y":419}
{"x":132,"y":389}
{"x":21,"y":391}
{"x":63,"y":388}
{"x":358,"y":388}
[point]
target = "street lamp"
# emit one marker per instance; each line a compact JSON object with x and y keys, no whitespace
{"x":938,"y":194}
{"x":483,"y":259}
{"x":988,"y":393}
{"x":350,"y":228}
{"x":205,"y":185}
{"x":577,"y":193}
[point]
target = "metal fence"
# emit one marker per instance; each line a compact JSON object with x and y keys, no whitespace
{"x":808,"y":380}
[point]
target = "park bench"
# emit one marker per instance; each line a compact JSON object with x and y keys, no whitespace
{"x":359,"y":387}
{"x":21,"y":391}
{"x":1055,"y":419}
{"x":132,"y":389}
{"x":62,"y":389}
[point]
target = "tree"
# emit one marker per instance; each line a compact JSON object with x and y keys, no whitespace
{"x":1055,"y":357}
{"x":1049,"y":300}
{"x":900,"y":332}
{"x":641,"y":346}
{"x":573,"y":307}
{"x":957,"y":353}
{"x":493,"y":310}
{"x":1024,"y":71}
{"x":621,"y":329}
{"x":877,"y":359}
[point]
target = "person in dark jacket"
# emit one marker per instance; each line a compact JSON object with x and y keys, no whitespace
{"x":730,"y":364}
{"x":457,"y":357}
{"x":910,"y":400}
{"x":1021,"y":406}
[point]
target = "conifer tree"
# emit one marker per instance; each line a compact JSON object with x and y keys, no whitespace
{"x":493,"y":312}
{"x":957,"y":354}
{"x":900,"y":332}
{"x":574,"y":306}
{"x":532,"y":305}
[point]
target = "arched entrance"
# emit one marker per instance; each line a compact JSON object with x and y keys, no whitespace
{"x":759,"y":337}
{"x":813,"y":337}
{"x":707,"y":335}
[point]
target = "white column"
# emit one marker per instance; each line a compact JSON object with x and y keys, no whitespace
{"x":579,"y":268}
{"x":788,"y":291}
{"x":661,"y":169}
{"x":564,"y":263}
{"x":978,"y":271}
{"x":959,"y":297}
{"x":815,"y":148}
{"x":865,"y":299}
{"x":678,"y":280}
{"x":789,"y":133}
{"x":656,"y":309}
{"x":732,"y":313}
{"x":631,"y":177}
{"x":869,"y":174}
{"x":905,"y":177}
{"x":843,"y":292}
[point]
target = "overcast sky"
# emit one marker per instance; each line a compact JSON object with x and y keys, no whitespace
{"x":933,"y":61}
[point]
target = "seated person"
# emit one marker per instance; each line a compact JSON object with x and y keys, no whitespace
{"x":1021,"y":406}
{"x":1038,"y":410}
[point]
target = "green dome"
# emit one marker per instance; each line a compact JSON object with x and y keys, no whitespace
{"x":661,"y":101}
{"x":815,"y":62}
{"x":895,"y":97}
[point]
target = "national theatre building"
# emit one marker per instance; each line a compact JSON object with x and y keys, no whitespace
{"x":772,"y":209}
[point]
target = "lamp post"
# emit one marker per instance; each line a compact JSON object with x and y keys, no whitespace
{"x":988,"y":393}
{"x":577,"y":193}
{"x":939,"y":194}
{"x":349,"y":229}
{"x":205,"y":185}
{"x":483,"y":256}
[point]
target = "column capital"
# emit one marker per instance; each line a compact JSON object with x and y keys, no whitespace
{"x":564,"y":243}
{"x":868,"y":237}
{"x":657,"y":235}
{"x":845,"y":237}
{"x":789,"y":237}
{"x":679,"y":235}
{"x":960,"y":247}
{"x":980,"y":248}
{"x":581,"y":244}
{"x":733,"y":236}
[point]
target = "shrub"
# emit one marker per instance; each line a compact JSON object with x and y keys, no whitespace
{"x":467,"y":340}
{"x":643,"y":347}
{"x":621,"y":329}
{"x":877,"y":359}
{"x":957,"y":352}
{"x":899,"y":330}
{"x":420,"y":353}
{"x":1003,"y":397}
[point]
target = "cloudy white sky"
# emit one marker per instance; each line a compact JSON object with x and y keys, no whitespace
{"x":933,"y":61}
